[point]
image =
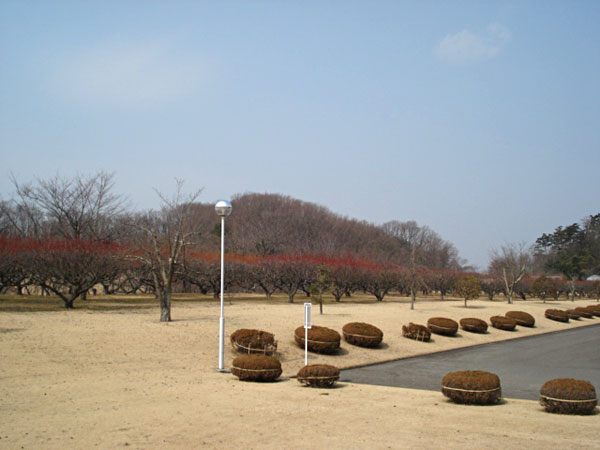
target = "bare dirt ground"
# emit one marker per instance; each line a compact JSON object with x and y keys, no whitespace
{"x":114,"y":377}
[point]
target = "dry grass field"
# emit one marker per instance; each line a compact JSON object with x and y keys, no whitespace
{"x":109,"y":375}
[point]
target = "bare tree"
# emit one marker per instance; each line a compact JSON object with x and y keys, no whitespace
{"x":161,"y":240}
{"x":431,"y":250}
{"x":70,"y":268}
{"x":511,"y":261}
{"x":293,"y":273}
{"x":77,"y":208}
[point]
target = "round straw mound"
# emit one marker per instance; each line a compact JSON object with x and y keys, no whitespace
{"x":253,"y":341}
{"x":473,"y":325}
{"x":362,"y":334}
{"x":557,"y":315}
{"x":416,"y":332}
{"x":503,"y":323}
{"x":472,"y":387}
{"x":256,"y":368}
{"x":583,"y":312}
{"x":318,"y":375}
{"x":443,"y":326}
{"x":320,"y":339}
{"x":573,"y":314}
{"x":594,"y":310}
{"x":568,"y":396}
{"x":522,"y":318}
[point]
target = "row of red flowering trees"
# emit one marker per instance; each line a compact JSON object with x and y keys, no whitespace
{"x":71,"y":269}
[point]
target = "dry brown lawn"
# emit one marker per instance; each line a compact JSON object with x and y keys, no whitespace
{"x":109,"y":375}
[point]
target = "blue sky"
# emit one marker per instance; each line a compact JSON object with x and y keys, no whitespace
{"x":478,"y":119}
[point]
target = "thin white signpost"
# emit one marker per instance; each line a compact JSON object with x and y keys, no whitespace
{"x":307,"y":325}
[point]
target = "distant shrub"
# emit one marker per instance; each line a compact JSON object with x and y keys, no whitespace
{"x":362,"y":334}
{"x":583,"y":312}
{"x":442,"y":325}
{"x":574,"y":315}
{"x":416,"y":331}
{"x":468,"y":288}
{"x":320,"y":339}
{"x":557,"y":315}
{"x":472,"y":387}
{"x":256,"y":368}
{"x":253,"y":341}
{"x":568,"y":396}
{"x":474,"y":325}
{"x":318,"y":375}
{"x":503,"y":323}
{"x":522,"y":318}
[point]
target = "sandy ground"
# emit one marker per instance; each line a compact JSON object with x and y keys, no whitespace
{"x":80,"y":379}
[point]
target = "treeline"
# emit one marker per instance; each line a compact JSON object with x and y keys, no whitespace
{"x":73,"y":268}
{"x":67,"y":236}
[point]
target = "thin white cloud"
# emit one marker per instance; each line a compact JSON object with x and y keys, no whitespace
{"x":467,"y":46}
{"x":120,"y":73}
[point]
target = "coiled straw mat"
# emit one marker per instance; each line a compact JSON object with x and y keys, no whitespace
{"x":253,"y":341}
{"x":362,"y":334}
{"x":318,"y":375}
{"x":568,"y":396}
{"x":472,"y":387}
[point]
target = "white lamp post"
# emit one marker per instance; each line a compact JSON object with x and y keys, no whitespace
{"x":223,"y":209}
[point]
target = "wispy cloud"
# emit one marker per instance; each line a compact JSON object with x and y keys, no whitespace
{"x":121,"y":73}
{"x":467,"y":46}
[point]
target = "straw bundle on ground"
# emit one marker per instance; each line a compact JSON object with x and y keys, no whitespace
{"x":472,"y":387}
{"x":253,"y":341}
{"x":416,"y":331}
{"x":503,"y":323}
{"x":473,"y":325}
{"x":522,"y":318}
{"x":594,"y":309}
{"x":318,"y":375}
{"x":574,"y":315}
{"x":362,"y":334}
{"x":320,"y":339}
{"x":557,"y":315}
{"x":584,"y":312}
{"x":568,"y":396}
{"x":256,"y":368}
{"x":442,"y":325}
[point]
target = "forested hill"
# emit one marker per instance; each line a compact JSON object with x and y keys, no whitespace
{"x":86,"y":208}
{"x":273,"y":224}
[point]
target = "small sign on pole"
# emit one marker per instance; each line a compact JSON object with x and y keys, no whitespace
{"x":307,"y":325}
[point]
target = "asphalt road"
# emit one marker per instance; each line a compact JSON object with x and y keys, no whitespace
{"x":523,"y":365}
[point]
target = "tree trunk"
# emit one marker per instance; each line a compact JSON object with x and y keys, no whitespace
{"x":572,"y":290}
{"x":413,"y":298}
{"x":465,"y":302}
{"x":321,"y":304}
{"x":165,"y":306}
{"x":291,"y":297}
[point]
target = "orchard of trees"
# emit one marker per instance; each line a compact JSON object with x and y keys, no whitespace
{"x":68,"y":236}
